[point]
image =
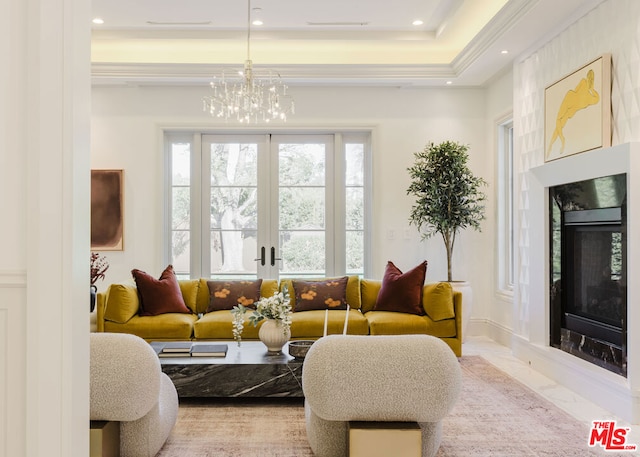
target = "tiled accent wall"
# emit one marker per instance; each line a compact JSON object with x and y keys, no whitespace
{"x":613,"y":27}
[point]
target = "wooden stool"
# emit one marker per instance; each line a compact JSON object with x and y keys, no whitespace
{"x":104,"y":439}
{"x":382,"y":439}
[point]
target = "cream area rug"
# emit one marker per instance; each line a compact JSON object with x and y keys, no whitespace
{"x":495,"y":416}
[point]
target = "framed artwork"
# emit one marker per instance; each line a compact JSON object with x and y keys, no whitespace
{"x":577,"y":111}
{"x":107,"y":211}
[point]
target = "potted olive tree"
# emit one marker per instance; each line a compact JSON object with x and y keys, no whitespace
{"x":448,"y":199}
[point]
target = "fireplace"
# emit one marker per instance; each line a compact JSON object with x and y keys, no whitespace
{"x":588,"y":270}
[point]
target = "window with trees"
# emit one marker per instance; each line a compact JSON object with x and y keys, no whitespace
{"x":244,"y":206}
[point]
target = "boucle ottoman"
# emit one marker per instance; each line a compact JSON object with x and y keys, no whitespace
{"x":128,"y":386}
{"x":405,"y":378}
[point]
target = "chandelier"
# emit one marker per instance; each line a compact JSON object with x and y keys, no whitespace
{"x":249,"y":95}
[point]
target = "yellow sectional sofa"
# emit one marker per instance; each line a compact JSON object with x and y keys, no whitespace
{"x":118,"y":312}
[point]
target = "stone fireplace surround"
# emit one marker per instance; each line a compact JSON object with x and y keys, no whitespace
{"x":613,"y":392}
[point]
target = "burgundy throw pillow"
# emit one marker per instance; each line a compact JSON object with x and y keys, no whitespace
{"x":224,"y":295}
{"x":159,"y":296}
{"x":327,"y":294}
{"x":402,"y":292}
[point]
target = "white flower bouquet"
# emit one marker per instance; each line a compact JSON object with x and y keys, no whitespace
{"x":277,"y":307}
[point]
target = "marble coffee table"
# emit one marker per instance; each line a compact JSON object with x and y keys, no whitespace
{"x":246,"y":371}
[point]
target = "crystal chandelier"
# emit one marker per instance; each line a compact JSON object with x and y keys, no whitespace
{"x":249,"y":95}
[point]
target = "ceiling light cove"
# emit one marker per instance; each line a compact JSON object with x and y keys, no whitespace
{"x":338,"y":24}
{"x":178,"y":23}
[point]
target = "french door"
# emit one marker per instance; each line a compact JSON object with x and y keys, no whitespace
{"x":247,"y":206}
{"x":267,"y":205}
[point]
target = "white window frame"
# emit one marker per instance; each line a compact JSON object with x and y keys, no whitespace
{"x":335,"y":263}
{"x":506,"y":193}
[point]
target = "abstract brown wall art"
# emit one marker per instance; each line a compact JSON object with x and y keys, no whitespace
{"x":107,"y":215}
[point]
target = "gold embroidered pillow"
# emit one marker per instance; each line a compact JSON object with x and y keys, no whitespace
{"x":325,"y":294}
{"x":225,"y":295}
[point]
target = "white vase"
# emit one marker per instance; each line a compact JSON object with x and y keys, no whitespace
{"x":274,"y":335}
{"x":464,"y":287}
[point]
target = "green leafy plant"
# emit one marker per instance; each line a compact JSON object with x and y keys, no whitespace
{"x":277,"y":307}
{"x":448,"y":195}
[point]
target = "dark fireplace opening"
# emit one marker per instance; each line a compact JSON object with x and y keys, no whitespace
{"x":588,"y":270}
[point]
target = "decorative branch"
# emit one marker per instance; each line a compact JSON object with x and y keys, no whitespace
{"x":98,"y":267}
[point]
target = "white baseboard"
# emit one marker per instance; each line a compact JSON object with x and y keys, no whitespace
{"x":493,"y":330}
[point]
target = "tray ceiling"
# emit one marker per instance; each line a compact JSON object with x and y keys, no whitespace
{"x":361,"y":42}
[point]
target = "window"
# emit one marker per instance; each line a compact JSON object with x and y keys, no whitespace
{"x":506,"y":192}
{"x":246,"y":206}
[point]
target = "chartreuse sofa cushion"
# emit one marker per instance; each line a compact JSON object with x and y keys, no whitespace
{"x":310,"y":324}
{"x":124,"y":303}
{"x":169,"y":326}
{"x":218,"y":325}
{"x":437,"y":301}
{"x":190,"y":289}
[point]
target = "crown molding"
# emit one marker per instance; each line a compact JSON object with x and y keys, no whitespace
{"x":262,"y":35}
{"x":506,"y":18}
{"x":201,"y":74}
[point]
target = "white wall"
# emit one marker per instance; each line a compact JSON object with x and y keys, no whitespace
{"x":126,"y":126}
{"x":44,"y":241}
{"x":499,"y":311}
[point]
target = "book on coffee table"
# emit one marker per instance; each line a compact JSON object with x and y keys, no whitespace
{"x":209,"y":350}
{"x":182,"y":347}
{"x":164,"y":355}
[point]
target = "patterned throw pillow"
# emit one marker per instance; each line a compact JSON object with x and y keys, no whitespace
{"x":325,"y":294}
{"x":159,"y":296}
{"x":224,"y":295}
{"x":402,"y":292}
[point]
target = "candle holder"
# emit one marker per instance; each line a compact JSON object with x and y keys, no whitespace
{"x":299,"y":348}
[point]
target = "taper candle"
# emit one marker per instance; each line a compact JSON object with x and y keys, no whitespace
{"x":326,"y":317}
{"x":346,"y":321}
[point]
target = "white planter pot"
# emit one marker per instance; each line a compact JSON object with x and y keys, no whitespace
{"x":464,"y":287}
{"x":274,"y":335}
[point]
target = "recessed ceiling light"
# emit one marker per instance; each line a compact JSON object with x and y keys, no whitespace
{"x":417,"y":22}
{"x":98,"y":20}
{"x":257,"y":22}
{"x":449,"y":83}
{"x":504,"y":51}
